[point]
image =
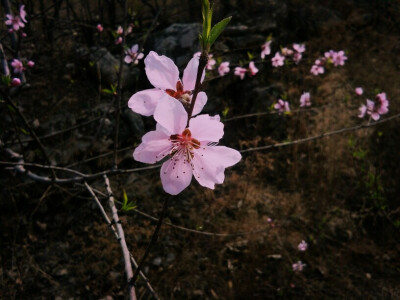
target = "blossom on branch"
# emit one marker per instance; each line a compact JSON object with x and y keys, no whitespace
{"x":266,"y":49}
{"x":18,"y":21}
{"x":223,"y":68}
{"x":163,"y":74}
{"x":133,"y":55}
{"x":375,"y":108}
{"x":17,"y":65}
{"x":282,"y":106}
{"x":278,"y":60}
{"x":305,"y":100}
{"x":190,"y":151}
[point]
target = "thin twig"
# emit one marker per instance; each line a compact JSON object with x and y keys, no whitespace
{"x":121,"y":238}
{"x":111,"y":226}
{"x":152,"y":241}
{"x":119,"y":87}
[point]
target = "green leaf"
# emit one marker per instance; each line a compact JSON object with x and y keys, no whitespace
{"x":107,"y":91}
{"x":126,"y":205}
{"x":225,"y":112}
{"x":217,"y":30}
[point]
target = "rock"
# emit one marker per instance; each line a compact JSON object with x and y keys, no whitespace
{"x":178,"y":41}
{"x":106,"y":68}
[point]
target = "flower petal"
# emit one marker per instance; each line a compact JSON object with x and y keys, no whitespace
{"x":161,"y":71}
{"x":209,"y":164}
{"x":154,"y":147}
{"x":171,"y":115}
{"x":176,"y":175}
{"x":201,"y":100}
{"x":145,"y":102}
{"x":205,"y":128}
{"x":190,"y":74}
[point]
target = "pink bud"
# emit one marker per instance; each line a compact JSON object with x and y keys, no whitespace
{"x":99,"y":28}
{"x":23,"y":34}
{"x":30,"y":64}
{"x":359,"y":91}
{"x":118,"y":41}
{"x":15,"y":82}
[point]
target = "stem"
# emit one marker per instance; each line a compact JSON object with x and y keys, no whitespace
{"x":202,"y":64}
{"x":152,"y":241}
{"x":119,"y":88}
{"x":121,"y":238}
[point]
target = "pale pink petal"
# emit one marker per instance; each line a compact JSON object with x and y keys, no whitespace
{"x":171,"y":115}
{"x":375,"y":116}
{"x":154,"y":147}
{"x":210,"y":163}
{"x":176,"y":175}
{"x":161,"y":71}
{"x":128,"y":59}
{"x":145,"y":102}
{"x":200,"y":102}
{"x":190,"y":74}
{"x":206,"y":128}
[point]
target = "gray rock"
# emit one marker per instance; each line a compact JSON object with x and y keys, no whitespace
{"x":106,"y":68}
{"x":178,"y":41}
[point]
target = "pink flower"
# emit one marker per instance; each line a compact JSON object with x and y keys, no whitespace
{"x":252,"y":69}
{"x":297,"y":57}
{"x":17,"y":65}
{"x":278,"y":60}
{"x":330,"y":54}
{"x":299,"y":48}
{"x":286,"y":51}
{"x":132,"y":55}
{"x":317,"y":68}
{"x":362,"y":110}
{"x":99,"y":27}
{"x":211,"y":61}
{"x":239,"y":71}
{"x":375,"y":108}
{"x":190,"y":150}
{"x":359,"y":91}
{"x":298,"y":267}
{"x":163,"y":74}
{"x":14,"y":21}
{"x":223,"y":68}
{"x":15,"y":82}
{"x":282,"y":106}
{"x":339,"y":59}
{"x":305,"y":100}
{"x":266,"y":49}
{"x":118,"y":41}
{"x":120,"y":30}
{"x":30,"y":64}
{"x":302,"y":246}
{"x":382,"y":104}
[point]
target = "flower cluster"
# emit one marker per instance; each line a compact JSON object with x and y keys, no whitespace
{"x":376,"y":108}
{"x":330,"y":58}
{"x":16,"y":21}
{"x":187,"y":147}
{"x":296,"y":54}
{"x":251,"y":70}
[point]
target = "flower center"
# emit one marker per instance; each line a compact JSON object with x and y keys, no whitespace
{"x":179,"y":94}
{"x":184,"y":142}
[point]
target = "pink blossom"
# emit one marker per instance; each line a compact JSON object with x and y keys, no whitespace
{"x":359,"y":91}
{"x":132,"y":55}
{"x":339,"y":59}
{"x":118,"y":41}
{"x":286,"y":51}
{"x":14,"y":21}
{"x":282,"y":106}
{"x":239,"y":71}
{"x":120,"y":30}
{"x":302,"y":246}
{"x":305,"y":100}
{"x":17,"y":65}
{"x":266,"y":49}
{"x":190,"y":150}
{"x":362,"y":110}
{"x":298,"y":266}
{"x":223,"y":68}
{"x":15,"y":82}
{"x":299,"y":48}
{"x":317,"y":68}
{"x":278,"y":60}
{"x":252,"y":69}
{"x":30,"y":64}
{"x":297,"y":57}
{"x":330,"y":54}
{"x":99,"y":27}
{"x":163,"y":74}
{"x":375,"y":108}
{"x":211,"y":61}
{"x":382,"y":104}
